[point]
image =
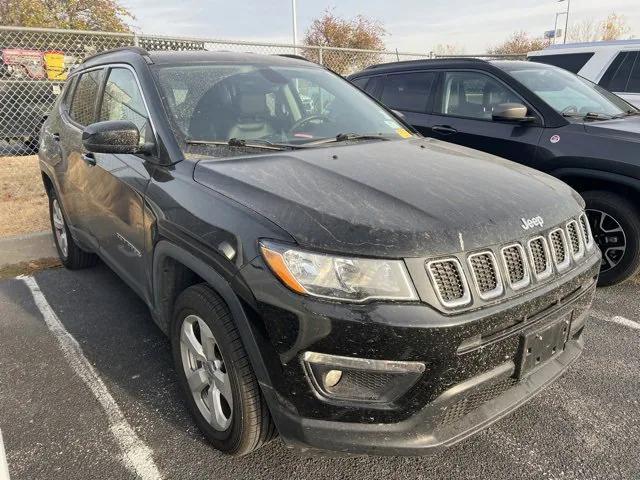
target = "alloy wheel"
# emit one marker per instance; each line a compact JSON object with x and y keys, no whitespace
{"x":59,"y":228}
{"x":206,"y":372}
{"x":610,"y":237}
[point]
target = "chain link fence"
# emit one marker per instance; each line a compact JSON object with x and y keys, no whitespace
{"x":35,"y":62}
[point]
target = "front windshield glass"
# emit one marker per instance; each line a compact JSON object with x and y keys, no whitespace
{"x":567,"y":93}
{"x":269,"y":104}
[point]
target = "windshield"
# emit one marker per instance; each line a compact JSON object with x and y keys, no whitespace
{"x":272,"y":105}
{"x":567,"y":93}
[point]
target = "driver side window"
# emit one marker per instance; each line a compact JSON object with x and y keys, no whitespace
{"x":473,"y":95}
{"x":122,"y":100}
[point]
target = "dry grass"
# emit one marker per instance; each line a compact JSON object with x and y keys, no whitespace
{"x":28,"y":268}
{"x":24,"y":207}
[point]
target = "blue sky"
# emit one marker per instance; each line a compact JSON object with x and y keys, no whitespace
{"x":412,"y":25}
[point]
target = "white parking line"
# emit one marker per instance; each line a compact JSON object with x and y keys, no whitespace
{"x":137,"y":456}
{"x":616,"y":319}
{"x":4,"y":468}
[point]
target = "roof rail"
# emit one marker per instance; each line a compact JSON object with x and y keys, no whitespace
{"x":560,"y":46}
{"x":131,"y":48}
{"x":428,"y":60}
{"x":291,"y":55}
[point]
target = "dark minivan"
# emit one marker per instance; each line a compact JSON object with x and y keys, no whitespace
{"x":538,"y":115}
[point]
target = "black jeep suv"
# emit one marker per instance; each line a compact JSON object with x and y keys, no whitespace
{"x":538,"y":115}
{"x":322,"y":271}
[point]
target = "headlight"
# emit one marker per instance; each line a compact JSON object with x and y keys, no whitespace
{"x":339,"y":278}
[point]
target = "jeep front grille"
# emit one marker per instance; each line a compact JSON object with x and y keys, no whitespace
{"x":559,"y":248}
{"x":486,"y":275}
{"x":586,"y":231}
{"x":539,"y":256}
{"x":449,"y":282}
{"x":464,"y":280}
{"x":516,"y":265}
{"x":575,"y":239}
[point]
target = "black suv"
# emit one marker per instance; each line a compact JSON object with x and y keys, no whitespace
{"x":321,"y":271}
{"x":538,"y":115}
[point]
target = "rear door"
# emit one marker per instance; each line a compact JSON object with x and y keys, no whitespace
{"x":622,"y":77}
{"x":409,"y":93}
{"x":75,"y":170}
{"x":462,"y":113}
{"x":118,"y":182}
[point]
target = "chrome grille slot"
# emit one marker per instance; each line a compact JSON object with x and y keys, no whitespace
{"x":486,"y":275}
{"x":539,"y":257}
{"x":449,"y":282}
{"x":515,"y":262}
{"x":586,"y":231}
{"x":559,"y":249}
{"x":575,"y":239}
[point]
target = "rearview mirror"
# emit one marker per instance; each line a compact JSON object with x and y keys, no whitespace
{"x":511,"y":112}
{"x":113,"y":136}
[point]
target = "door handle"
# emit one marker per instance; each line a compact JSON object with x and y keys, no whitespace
{"x":444,"y":129}
{"x":89,"y":159}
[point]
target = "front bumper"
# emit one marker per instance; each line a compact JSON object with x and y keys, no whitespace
{"x":465,"y":387}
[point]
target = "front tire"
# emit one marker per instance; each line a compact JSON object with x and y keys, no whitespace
{"x":213,"y":369}
{"x":71,"y":255}
{"x":615,"y":223}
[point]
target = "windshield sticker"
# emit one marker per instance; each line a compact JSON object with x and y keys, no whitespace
{"x":403,"y":133}
{"x":555,"y":139}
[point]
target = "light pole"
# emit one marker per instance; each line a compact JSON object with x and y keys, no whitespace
{"x":295,"y":25}
{"x":566,"y":20}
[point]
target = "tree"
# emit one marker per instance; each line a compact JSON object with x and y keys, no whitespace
{"x":445,"y":49}
{"x":613,"y":27}
{"x":332,"y":31}
{"x":519,"y":43}
{"x":107,"y":15}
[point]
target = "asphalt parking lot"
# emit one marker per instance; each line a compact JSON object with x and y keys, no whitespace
{"x":55,"y":425}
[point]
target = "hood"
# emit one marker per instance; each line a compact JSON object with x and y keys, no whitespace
{"x":404,"y":198}
{"x":625,"y":127}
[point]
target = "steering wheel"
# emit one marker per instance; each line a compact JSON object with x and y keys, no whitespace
{"x":310,"y":118}
{"x":570,"y":110}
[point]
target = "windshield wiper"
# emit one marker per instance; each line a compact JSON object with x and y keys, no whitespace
{"x":588,"y":116}
{"x":344,"y":137}
{"x":240,"y":142}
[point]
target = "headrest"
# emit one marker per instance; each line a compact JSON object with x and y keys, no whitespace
{"x":252,"y":103}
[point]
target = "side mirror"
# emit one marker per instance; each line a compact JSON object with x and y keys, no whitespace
{"x":113,"y":136}
{"x":511,"y":112}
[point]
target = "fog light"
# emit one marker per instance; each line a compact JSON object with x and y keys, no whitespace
{"x":359,"y":379}
{"x":332,"y":378}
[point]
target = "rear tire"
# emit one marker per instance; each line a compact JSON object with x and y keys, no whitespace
{"x":615,"y":223}
{"x":214,"y":371}
{"x":71,"y":256}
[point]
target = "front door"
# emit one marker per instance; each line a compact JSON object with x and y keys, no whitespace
{"x":462,"y":114}
{"x":119,"y":182}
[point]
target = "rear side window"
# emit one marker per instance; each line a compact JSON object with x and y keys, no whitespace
{"x":569,"y":61}
{"x":618,"y":75}
{"x":83,"y":104}
{"x":408,"y":91}
{"x":123,"y":101}
{"x":634,"y":81}
{"x":360,"y":82}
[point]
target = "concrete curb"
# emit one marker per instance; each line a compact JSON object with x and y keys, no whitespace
{"x":25,"y":248}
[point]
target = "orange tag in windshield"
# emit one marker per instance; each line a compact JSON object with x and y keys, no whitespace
{"x":403,"y":133}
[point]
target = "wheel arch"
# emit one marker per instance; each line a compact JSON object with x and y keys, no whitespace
{"x":584,"y":179}
{"x":167,"y":255}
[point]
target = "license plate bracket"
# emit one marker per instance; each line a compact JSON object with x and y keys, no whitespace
{"x":543,"y":343}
